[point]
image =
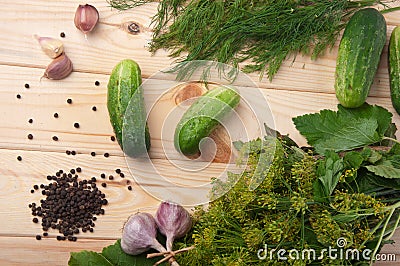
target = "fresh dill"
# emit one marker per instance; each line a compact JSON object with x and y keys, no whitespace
{"x":254,"y":35}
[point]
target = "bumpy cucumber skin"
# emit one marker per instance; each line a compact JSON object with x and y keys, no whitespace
{"x":203,"y":117}
{"x":394,"y":68}
{"x":124,"y":91}
{"x":358,"y":57}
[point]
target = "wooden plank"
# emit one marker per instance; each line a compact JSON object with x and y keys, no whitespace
{"x":24,"y":250}
{"x":113,"y":43}
{"x":45,"y":97}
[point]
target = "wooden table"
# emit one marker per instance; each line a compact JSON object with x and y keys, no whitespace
{"x":302,"y":87}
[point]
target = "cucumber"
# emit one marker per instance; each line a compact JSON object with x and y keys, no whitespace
{"x":358,"y":57}
{"x":125,"y":104}
{"x":394,"y":68}
{"x":202,"y":117}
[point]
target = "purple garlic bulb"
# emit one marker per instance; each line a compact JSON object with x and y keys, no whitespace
{"x":173,"y":221}
{"x":139,"y":234}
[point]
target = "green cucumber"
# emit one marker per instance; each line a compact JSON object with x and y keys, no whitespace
{"x":202,"y":117}
{"x":394,"y":68}
{"x":125,"y":103}
{"x":358,"y":57}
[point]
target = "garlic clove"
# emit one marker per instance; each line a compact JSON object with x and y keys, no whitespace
{"x":139,"y":234}
{"x":86,"y":18}
{"x":50,"y":46}
{"x":173,"y":221}
{"x":59,"y":68}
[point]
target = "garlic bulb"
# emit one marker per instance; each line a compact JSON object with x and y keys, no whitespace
{"x":50,"y":46}
{"x":59,"y":68}
{"x":86,"y":18}
{"x":173,"y":221}
{"x":139,"y":235}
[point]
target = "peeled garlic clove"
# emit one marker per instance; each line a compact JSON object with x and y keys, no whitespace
{"x":59,"y":68}
{"x":139,"y":234}
{"x":50,"y":46}
{"x":173,"y":221}
{"x":86,"y":18}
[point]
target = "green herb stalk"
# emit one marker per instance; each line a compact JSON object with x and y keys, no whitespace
{"x":259,"y":34}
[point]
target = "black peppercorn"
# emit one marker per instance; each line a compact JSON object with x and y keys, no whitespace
{"x":73,"y":152}
{"x":18,"y":96}
{"x":111,"y":177}
{"x":106,"y":154}
{"x":38,"y":237}
{"x":112,"y":138}
{"x":94,"y":108}
{"x":76,"y":125}
{"x":103,"y":184}
{"x":103,"y":176}
{"x":19,"y":158}
{"x":32,"y":191}
{"x":69,"y":101}
{"x":68,"y":152}
{"x":55,"y":115}
{"x":26,"y":85}
{"x":62,"y":35}
{"x":122,"y":175}
{"x":97,"y":83}
{"x":45,"y":234}
{"x":118,"y":171}
{"x":55,"y":138}
{"x":30,"y":136}
{"x":35,"y":220}
{"x":78,"y":169}
{"x":129,"y":187}
{"x":30,"y":121}
{"x":93,"y":153}
{"x":35,"y":187}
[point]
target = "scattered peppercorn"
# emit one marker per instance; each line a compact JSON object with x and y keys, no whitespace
{"x":111,"y":177}
{"x":73,"y":152}
{"x":93,"y":153}
{"x":129,"y":187}
{"x":32,"y":191}
{"x":38,"y":237}
{"x":78,"y":169}
{"x":19,"y":158}
{"x":76,"y":125}
{"x":62,"y":34}
{"x":36,"y":187}
{"x":106,"y":154}
{"x":68,"y":152}
{"x":35,"y":220}
{"x":69,"y":101}
{"x":94,"y":108}
{"x":112,"y":138}
{"x":18,"y":96}
{"x":97,"y":83}
{"x":103,"y":176}
{"x":122,"y":175}
{"x":30,"y":121}
{"x":55,"y":138}
{"x":45,"y":234}
{"x":118,"y":171}
{"x":103,"y":184}
{"x":55,"y":115}
{"x":26,"y":85}
{"x":30,"y":136}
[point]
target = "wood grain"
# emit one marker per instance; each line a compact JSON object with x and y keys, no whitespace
{"x":301,"y":86}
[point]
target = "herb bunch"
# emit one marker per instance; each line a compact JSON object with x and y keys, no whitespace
{"x":306,"y":200}
{"x":262,"y":34}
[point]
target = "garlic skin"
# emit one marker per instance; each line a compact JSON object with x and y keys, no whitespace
{"x":139,"y":234}
{"x":86,"y":18}
{"x":50,"y":46}
{"x":59,"y":68}
{"x":173,"y":221}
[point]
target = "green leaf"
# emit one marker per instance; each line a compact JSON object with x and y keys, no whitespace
{"x":353,"y":159}
{"x":112,"y":255}
{"x":388,"y":168}
{"x":345,"y":129}
{"x":329,"y":171}
{"x":88,"y":258}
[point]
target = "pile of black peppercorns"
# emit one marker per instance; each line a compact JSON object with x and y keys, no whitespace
{"x":70,"y":205}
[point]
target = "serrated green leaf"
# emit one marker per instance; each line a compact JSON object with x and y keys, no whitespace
{"x":388,"y":168}
{"x":88,"y":258}
{"x":374,"y":157}
{"x":345,"y":129}
{"x":353,"y":160}
{"x":112,"y":255}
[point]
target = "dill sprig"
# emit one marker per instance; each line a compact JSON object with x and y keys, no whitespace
{"x":260,"y":34}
